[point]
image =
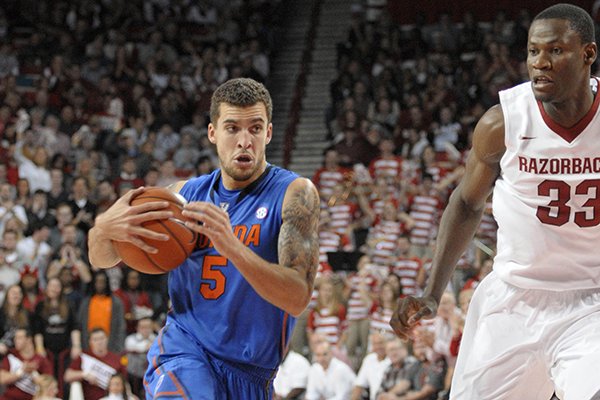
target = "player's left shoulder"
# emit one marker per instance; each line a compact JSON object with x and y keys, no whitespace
{"x":302,"y":193}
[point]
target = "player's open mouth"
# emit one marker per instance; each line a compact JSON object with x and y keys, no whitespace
{"x":243,"y":160}
{"x":542,"y":81}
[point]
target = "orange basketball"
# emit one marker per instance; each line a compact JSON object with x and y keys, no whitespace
{"x":172,"y":252}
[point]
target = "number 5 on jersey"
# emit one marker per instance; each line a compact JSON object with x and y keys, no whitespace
{"x":211,"y":272}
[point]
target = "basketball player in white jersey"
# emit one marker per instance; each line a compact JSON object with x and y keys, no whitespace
{"x":533,"y":326}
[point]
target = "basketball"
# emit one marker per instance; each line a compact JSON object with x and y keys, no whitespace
{"x":172,"y":252}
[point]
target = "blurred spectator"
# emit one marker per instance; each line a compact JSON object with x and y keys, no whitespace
{"x":167,"y":141}
{"x":425,"y":209}
{"x":35,"y":170}
{"x":10,"y":238}
{"x":442,"y":327}
{"x":118,"y":389}
{"x":39,"y":213}
{"x":23,"y":197}
{"x":448,"y":130}
{"x":381,"y":310}
{"x":136,"y":346}
{"x":54,"y":326}
{"x":372,"y":369}
{"x":62,"y":231}
{"x":57,"y":193}
{"x":102,"y":309}
{"x":22,"y":367}
{"x":346,"y":210}
{"x":387,"y":163}
{"x":292,"y":377}
{"x":384,"y":233}
{"x":145,"y":158}
{"x":328,"y":377}
{"x":8,"y":206}
{"x":84,"y":210}
{"x":9,"y":275}
{"x":330,"y":175}
{"x":427,"y":376}
{"x":128,"y":177}
{"x":354,"y":148}
{"x":167,"y":174}
{"x":204,"y":166}
{"x":73,"y":295}
{"x":406,"y":267}
{"x":395,"y":381}
{"x":13,"y":316}
{"x":95,"y":366}
{"x":32,"y":292}
{"x":187,"y":154}
{"x":328,"y":317}
{"x":34,"y":250}
{"x":358,"y":285}
{"x":46,"y":388}
{"x":136,"y":302}
{"x":330,"y":240}
{"x":9,"y":65}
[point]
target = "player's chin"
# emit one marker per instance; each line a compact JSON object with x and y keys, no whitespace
{"x":543,"y":95}
{"x":243,"y":174}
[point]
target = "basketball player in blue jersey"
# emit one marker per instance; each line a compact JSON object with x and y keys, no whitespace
{"x":533,"y":326}
{"x":235,"y":299}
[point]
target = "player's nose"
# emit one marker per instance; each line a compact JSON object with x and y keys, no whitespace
{"x":244,"y":139}
{"x":541,"y":61}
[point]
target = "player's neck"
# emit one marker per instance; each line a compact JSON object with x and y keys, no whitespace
{"x":569,"y":112}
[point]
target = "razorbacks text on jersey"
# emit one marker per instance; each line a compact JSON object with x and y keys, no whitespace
{"x":547,"y":200}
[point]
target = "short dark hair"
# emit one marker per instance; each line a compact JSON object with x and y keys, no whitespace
{"x":240,"y":92}
{"x":579,"y":20}
{"x":28,"y":331}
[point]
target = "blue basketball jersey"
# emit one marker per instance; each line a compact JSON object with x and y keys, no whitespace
{"x":210,"y":299}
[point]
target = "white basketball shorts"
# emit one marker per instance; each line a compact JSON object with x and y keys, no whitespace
{"x":523,"y":344}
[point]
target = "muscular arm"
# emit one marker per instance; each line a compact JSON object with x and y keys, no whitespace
{"x":465,"y":207}
{"x":287,"y":285}
{"x":298,"y":248}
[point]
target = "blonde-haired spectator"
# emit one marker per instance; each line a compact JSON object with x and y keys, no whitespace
{"x":47,"y":388}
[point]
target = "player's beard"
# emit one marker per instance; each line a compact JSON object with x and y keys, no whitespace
{"x":242,"y":174}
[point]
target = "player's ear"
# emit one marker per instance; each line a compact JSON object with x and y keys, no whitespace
{"x":211,"y":133}
{"x":590,"y":53}
{"x":269,"y":133}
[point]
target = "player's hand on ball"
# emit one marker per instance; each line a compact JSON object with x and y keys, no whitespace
{"x":213,"y":222}
{"x":123,"y":222}
{"x":409,"y":312}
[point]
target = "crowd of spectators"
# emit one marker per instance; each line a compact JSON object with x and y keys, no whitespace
{"x":97,"y":97}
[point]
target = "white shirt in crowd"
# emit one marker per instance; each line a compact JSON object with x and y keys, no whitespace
{"x":334,"y":384}
{"x":371,"y":373}
{"x":292,"y":374}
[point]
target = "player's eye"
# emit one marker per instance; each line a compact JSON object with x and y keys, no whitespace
{"x":556,"y":50}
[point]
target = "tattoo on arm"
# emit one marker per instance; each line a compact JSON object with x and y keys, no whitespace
{"x":298,"y":238}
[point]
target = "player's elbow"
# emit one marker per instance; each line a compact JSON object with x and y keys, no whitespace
{"x":299,"y":306}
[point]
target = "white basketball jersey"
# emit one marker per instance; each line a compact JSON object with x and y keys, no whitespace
{"x":547,"y":200}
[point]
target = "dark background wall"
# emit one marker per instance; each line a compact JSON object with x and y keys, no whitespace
{"x":406,"y":11}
